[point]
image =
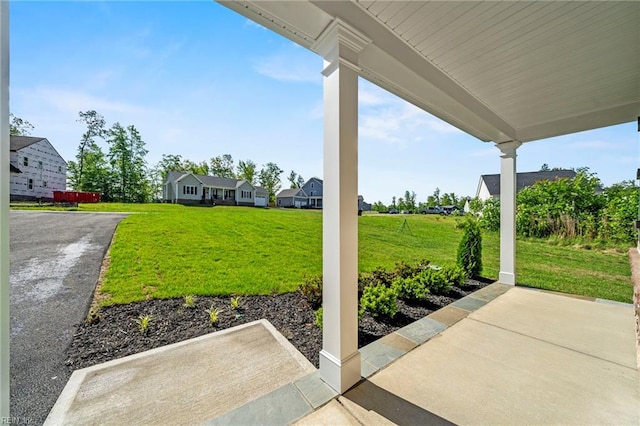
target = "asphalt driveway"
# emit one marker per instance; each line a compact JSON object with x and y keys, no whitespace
{"x":54,"y":266}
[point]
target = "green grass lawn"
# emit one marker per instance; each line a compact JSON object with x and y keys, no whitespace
{"x":171,"y":251}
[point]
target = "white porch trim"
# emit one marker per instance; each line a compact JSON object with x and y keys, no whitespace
{"x":339,"y":359}
{"x":507,"y":273}
{"x":4,"y":210}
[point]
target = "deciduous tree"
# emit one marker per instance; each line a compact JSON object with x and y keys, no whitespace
{"x":247,"y":171}
{"x":222,"y":166}
{"x":270,"y":179}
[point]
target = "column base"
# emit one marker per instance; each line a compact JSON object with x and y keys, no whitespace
{"x":340,"y":375}
{"x":507,"y":278}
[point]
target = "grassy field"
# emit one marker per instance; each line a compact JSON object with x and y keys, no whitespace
{"x":165,"y":250}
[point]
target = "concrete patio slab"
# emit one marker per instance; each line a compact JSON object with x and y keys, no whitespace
{"x":503,"y":364}
{"x":602,"y":330}
{"x":331,"y":414}
{"x":190,"y":382}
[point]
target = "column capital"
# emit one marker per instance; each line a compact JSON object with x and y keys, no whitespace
{"x":340,"y":42}
{"x":508,"y":149}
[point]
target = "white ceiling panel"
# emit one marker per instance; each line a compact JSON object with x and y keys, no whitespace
{"x":498,"y":70}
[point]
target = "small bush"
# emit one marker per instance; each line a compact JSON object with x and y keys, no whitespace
{"x":379,"y":301}
{"x":143,"y":322}
{"x":213,"y":314}
{"x":235,"y":302}
{"x":318,"y":318}
{"x":311,"y":289}
{"x":405,"y":270}
{"x":453,"y":275}
{"x":410,"y":288}
{"x":189,"y":301}
{"x":470,"y":248}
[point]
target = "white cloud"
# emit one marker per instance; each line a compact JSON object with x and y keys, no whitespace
{"x":289,"y":67}
{"x":73,"y":101}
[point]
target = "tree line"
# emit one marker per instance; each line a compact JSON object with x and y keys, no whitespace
{"x":409,"y":202}
{"x":122,"y":173}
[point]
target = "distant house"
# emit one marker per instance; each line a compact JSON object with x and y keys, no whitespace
{"x":489,"y":185}
{"x":190,"y":188}
{"x":309,"y":196}
{"x":294,"y":197}
{"x":36,"y":169}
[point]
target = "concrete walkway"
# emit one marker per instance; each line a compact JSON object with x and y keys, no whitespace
{"x":503,"y":355}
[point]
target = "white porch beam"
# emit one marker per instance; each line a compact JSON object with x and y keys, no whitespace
{"x":4,"y":210}
{"x":339,"y":358}
{"x":507,"y":273}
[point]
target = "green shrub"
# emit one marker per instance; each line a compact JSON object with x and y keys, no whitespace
{"x":379,"y":301}
{"x":453,"y":275}
{"x":405,"y":270}
{"x":470,"y":248}
{"x":311,"y":289}
{"x":435,"y":281}
{"x":318,"y":318}
{"x":410,"y":288}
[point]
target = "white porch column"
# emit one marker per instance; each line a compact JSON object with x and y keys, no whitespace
{"x":339,"y":358}
{"x":507,"y":273}
{"x":4,"y":210}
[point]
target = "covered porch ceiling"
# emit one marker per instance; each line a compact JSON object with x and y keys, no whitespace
{"x":500,"y":71}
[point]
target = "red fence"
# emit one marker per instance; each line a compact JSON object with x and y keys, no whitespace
{"x":75,"y":197}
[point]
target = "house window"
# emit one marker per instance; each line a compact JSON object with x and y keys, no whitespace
{"x":245,"y":194}
{"x":60,"y":169}
{"x":312,"y":193}
{"x":44,"y":183}
{"x":189,"y":190}
{"x":25,"y":161}
{"x":40,"y":165}
{"x":30,"y":184}
{"x":311,"y":185}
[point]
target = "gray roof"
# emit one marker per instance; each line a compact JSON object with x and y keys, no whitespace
{"x":291,"y":192}
{"x":13,"y":169}
{"x":19,"y":142}
{"x":213,"y":181}
{"x":525,"y":179}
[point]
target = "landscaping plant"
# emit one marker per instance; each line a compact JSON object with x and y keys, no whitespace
{"x":379,"y":301}
{"x":470,"y":248}
{"x":213,"y":314}
{"x":189,"y":301}
{"x":235,"y":302}
{"x":311,"y":289}
{"x":143,"y":322}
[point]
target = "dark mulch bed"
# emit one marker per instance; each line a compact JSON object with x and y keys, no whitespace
{"x":116,"y":334}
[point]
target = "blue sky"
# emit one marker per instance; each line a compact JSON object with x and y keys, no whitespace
{"x":199,"y":80}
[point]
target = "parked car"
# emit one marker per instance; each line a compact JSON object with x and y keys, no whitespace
{"x":451,"y":210}
{"x":393,"y":211}
{"x":405,"y":212}
{"x":432,"y":210}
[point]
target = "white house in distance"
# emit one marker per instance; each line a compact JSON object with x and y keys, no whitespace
{"x":489,"y":185}
{"x":36,"y":169}
{"x":190,"y":188}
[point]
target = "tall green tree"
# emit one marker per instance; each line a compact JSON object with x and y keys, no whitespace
{"x":201,"y":168}
{"x":222,"y":166}
{"x":169,"y":163}
{"x":270,"y":179}
{"x":18,"y":126}
{"x":247,"y":170}
{"x":295,"y":180}
{"x":128,"y":166}
{"x":95,"y":129}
